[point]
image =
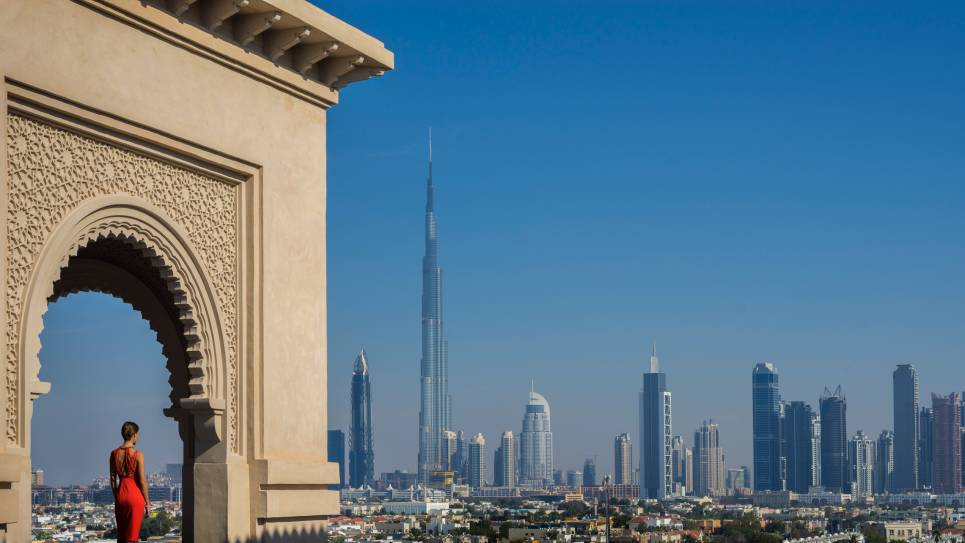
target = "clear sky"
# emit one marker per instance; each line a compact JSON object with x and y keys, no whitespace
{"x":738,"y":182}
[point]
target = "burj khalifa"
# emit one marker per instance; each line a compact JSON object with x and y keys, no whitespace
{"x":435,"y":402}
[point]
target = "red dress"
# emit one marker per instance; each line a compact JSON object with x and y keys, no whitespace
{"x":129,"y":502}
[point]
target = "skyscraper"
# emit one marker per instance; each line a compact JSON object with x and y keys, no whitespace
{"x":708,"y":461}
{"x":802,"y":447}
{"x":505,"y":466}
{"x":574,"y":478}
{"x":461,"y":457}
{"x":679,"y":466}
{"x":656,"y":434}
{"x":766,"y":404}
{"x":589,"y":472}
{"x":477,"y":461}
{"x":435,"y":404}
{"x":536,"y":443}
{"x":735,"y":480}
{"x":449,"y":444}
{"x":336,"y":453}
{"x":622,"y":460}
{"x":361,"y":455}
{"x":905,"y":388}
{"x":885,"y":463}
{"x":861,"y":456}
{"x":947,"y":465}
{"x":926,"y":447}
{"x":834,"y":440}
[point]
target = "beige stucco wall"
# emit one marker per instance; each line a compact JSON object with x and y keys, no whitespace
{"x":76,"y":51}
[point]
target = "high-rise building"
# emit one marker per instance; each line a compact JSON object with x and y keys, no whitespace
{"x":558,"y":478}
{"x":435,"y":404}
{"x":735,"y":480}
{"x":574,"y":478}
{"x":708,"y":461}
{"x":679,"y":465}
{"x":926,"y":447}
{"x":906,"y":406}
{"x":747,"y":474}
{"x":861,"y":456}
{"x":504,"y":471}
{"x":536,"y":443}
{"x":361,"y":455}
{"x":460,"y":458}
{"x":766,"y":407}
{"x":336,"y":454}
{"x":947,"y":432}
{"x":449,"y":444}
{"x":834,"y":441}
{"x":37,"y":477}
{"x":622,"y":460}
{"x":885,"y":463}
{"x":175,"y":471}
{"x":477,"y":461}
{"x":656,"y":433}
{"x":589,"y":472}
{"x":689,"y":471}
{"x":802,"y":447}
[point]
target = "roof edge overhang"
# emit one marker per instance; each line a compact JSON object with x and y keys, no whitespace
{"x":288,"y":44}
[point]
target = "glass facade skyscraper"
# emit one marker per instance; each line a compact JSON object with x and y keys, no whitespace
{"x":361,"y":457}
{"x":834,"y":441}
{"x":926,"y":446}
{"x":766,"y":405}
{"x":656,"y":434}
{"x":907,"y":431}
{"x":336,"y":453}
{"x":802,"y":447}
{"x":885,"y":463}
{"x":435,"y":404}
{"x":536,"y":443}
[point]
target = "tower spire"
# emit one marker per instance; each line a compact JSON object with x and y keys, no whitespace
{"x":430,"y":203}
{"x":654,"y":363}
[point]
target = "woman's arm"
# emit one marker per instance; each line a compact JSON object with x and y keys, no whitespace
{"x":113,"y":476}
{"x":142,"y":479}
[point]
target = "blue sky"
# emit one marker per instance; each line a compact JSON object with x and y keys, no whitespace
{"x":738,"y":182}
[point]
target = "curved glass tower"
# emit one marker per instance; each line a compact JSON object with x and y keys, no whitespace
{"x":361,"y":456}
{"x":434,"y":401}
{"x":536,"y":443}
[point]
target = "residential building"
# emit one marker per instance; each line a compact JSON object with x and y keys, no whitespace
{"x":477,"y":461}
{"x":926,"y":447}
{"x":861,"y":456}
{"x":947,"y":436}
{"x":504,"y":472}
{"x":708,"y":461}
{"x":885,"y":463}
{"x":622,"y":460}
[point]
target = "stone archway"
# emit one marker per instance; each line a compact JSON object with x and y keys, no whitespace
{"x":129,"y":248}
{"x":172,"y":153}
{"x":121,"y":247}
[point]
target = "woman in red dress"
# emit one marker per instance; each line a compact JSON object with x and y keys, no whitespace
{"x":129,"y":483}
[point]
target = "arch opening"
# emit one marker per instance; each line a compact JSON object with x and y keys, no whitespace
{"x":130,"y":268}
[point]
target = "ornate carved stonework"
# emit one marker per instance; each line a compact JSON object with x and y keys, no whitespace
{"x":51,"y":171}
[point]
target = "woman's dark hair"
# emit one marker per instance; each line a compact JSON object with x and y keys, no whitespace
{"x":129,"y":429}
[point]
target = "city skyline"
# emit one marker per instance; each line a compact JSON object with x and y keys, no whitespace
{"x":787,"y":196}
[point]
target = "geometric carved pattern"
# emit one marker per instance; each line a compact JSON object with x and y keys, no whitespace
{"x":51,"y":171}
